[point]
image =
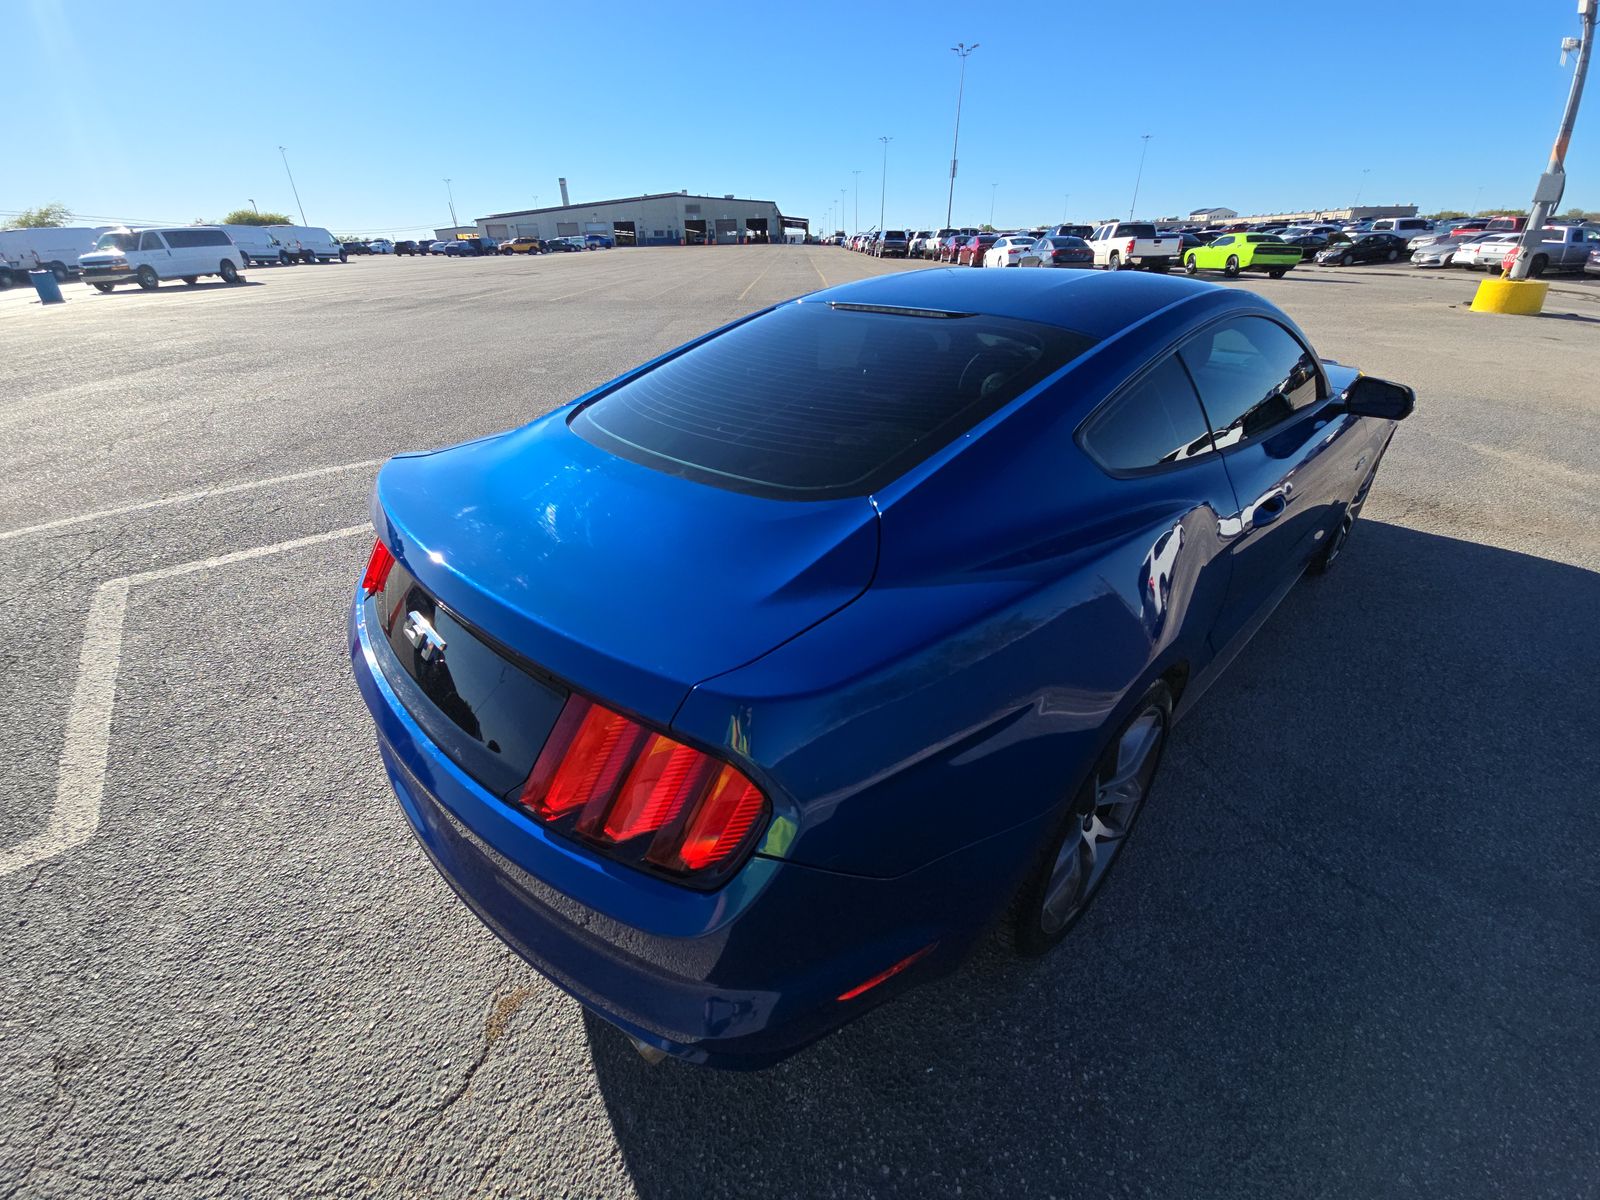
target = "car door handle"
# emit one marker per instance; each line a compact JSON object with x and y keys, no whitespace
{"x":1269,"y":507}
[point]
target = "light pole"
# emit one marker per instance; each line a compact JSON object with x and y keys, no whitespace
{"x":841,"y":208}
{"x":1554,"y":180}
{"x":253,"y":207}
{"x":1139,"y":178}
{"x":857,"y":174}
{"x":1362,"y":188}
{"x":292,"y":187}
{"x":994,"y":189}
{"x":961,"y":50}
{"x":1064,"y":200}
{"x":451,"y":192}
{"x":883,"y":195}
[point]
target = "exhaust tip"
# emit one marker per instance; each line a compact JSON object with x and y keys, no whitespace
{"x":651,"y":1054}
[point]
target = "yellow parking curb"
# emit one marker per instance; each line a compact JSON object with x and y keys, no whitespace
{"x":1517,"y":297}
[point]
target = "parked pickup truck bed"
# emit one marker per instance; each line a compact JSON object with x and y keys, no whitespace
{"x":1124,"y":244}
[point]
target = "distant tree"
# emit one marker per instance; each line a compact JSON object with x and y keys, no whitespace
{"x":46,"y":216}
{"x":1578,"y":214}
{"x":1444,"y":214}
{"x":249,"y":216}
{"x":986,"y":228}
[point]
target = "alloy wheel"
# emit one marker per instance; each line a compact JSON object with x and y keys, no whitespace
{"x":1103,"y":820}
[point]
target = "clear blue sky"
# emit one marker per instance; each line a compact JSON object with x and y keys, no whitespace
{"x":188,"y":122}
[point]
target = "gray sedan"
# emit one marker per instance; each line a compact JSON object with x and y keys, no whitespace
{"x":1441,"y":252}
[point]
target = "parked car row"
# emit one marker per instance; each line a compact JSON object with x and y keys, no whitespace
{"x":473,"y":247}
{"x":64,"y":250}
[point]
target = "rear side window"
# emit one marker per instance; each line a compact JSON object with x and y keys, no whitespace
{"x":180,"y":238}
{"x":1156,"y":421}
{"x":1252,"y":374}
{"x":151,"y":241}
{"x":813,"y":401}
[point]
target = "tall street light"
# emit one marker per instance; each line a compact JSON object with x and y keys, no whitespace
{"x":292,"y":187}
{"x":451,"y":192}
{"x":1553,"y":183}
{"x":841,"y":210}
{"x":857,"y":174}
{"x":257,"y":211}
{"x":884,"y":194}
{"x":1064,"y":200}
{"x":1362,"y":188}
{"x":1139,"y":178}
{"x":994,"y":189}
{"x":961,"y":50}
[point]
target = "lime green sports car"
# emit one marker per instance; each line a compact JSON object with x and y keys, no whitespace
{"x":1235,"y":252}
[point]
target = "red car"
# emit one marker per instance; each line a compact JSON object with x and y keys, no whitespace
{"x":973,"y":249}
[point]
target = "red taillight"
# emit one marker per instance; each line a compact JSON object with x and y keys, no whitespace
{"x":1131,"y":244}
{"x":652,"y":798}
{"x":378,"y":564}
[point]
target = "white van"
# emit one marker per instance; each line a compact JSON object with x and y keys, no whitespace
{"x":1406,"y":227}
{"x":258,"y":244}
{"x":55,"y":249}
{"x":147,"y":256}
{"x":309,"y":243}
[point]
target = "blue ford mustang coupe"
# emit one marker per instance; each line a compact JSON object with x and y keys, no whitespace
{"x":754,"y":686}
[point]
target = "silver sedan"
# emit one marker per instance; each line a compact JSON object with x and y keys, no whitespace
{"x":1441,"y":252}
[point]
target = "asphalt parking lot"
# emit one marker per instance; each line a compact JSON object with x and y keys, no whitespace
{"x":1353,"y":951}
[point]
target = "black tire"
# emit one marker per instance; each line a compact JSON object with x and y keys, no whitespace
{"x":104,"y":287}
{"x":283,"y":258}
{"x":1191,"y":266}
{"x":1325,"y":558}
{"x":1114,"y":263}
{"x":1347,"y":261}
{"x":5,"y":279}
{"x":1391,"y":256}
{"x":1538,"y":266}
{"x":344,"y":255}
{"x":1231,"y":267}
{"x":229,"y":272}
{"x":308,"y":258}
{"x":146,"y":278}
{"x":59,"y":270}
{"x":1084,"y":841}
{"x":191,"y":280}
{"x":1278,"y":272}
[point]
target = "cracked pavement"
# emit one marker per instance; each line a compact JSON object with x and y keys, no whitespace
{"x":1351,"y":950}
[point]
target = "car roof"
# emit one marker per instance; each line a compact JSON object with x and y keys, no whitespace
{"x":1099,"y":303}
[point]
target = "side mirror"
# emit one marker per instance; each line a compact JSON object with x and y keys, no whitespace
{"x":1369,"y":397}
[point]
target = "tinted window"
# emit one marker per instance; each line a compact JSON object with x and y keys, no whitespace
{"x":1224,"y":241}
{"x":813,"y":401}
{"x":1157,"y":420}
{"x":196,"y":237}
{"x":1252,"y":373}
{"x":1127,"y":230}
{"x":151,"y":241}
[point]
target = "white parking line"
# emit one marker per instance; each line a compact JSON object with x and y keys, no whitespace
{"x":204,"y":493}
{"x":81,"y":776}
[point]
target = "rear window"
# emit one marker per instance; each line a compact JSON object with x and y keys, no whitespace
{"x":813,"y":401}
{"x":895,"y":233}
{"x":1127,"y":229}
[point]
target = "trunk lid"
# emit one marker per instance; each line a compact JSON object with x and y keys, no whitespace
{"x":624,"y":581}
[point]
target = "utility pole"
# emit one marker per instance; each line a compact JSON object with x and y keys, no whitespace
{"x":454,"y":224}
{"x":1554,"y":180}
{"x":292,"y":187}
{"x":1139,"y":178}
{"x":884,"y":194}
{"x":961,"y":50}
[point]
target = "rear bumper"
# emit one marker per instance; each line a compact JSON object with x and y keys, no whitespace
{"x":740,"y":977}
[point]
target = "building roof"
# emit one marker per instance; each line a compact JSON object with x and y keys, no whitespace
{"x":1195,"y":212}
{"x":550,"y":208}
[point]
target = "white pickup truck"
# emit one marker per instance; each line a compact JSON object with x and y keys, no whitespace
{"x":1124,"y":244}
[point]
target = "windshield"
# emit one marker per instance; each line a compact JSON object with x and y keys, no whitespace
{"x":117,"y":241}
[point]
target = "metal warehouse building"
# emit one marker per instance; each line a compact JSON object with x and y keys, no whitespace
{"x":660,"y":219}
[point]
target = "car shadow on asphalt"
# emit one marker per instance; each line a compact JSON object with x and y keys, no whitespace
{"x":171,"y":287}
{"x":1353,"y":941}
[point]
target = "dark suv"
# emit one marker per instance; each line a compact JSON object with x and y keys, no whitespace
{"x":890,"y":242}
{"x":406,"y":247}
